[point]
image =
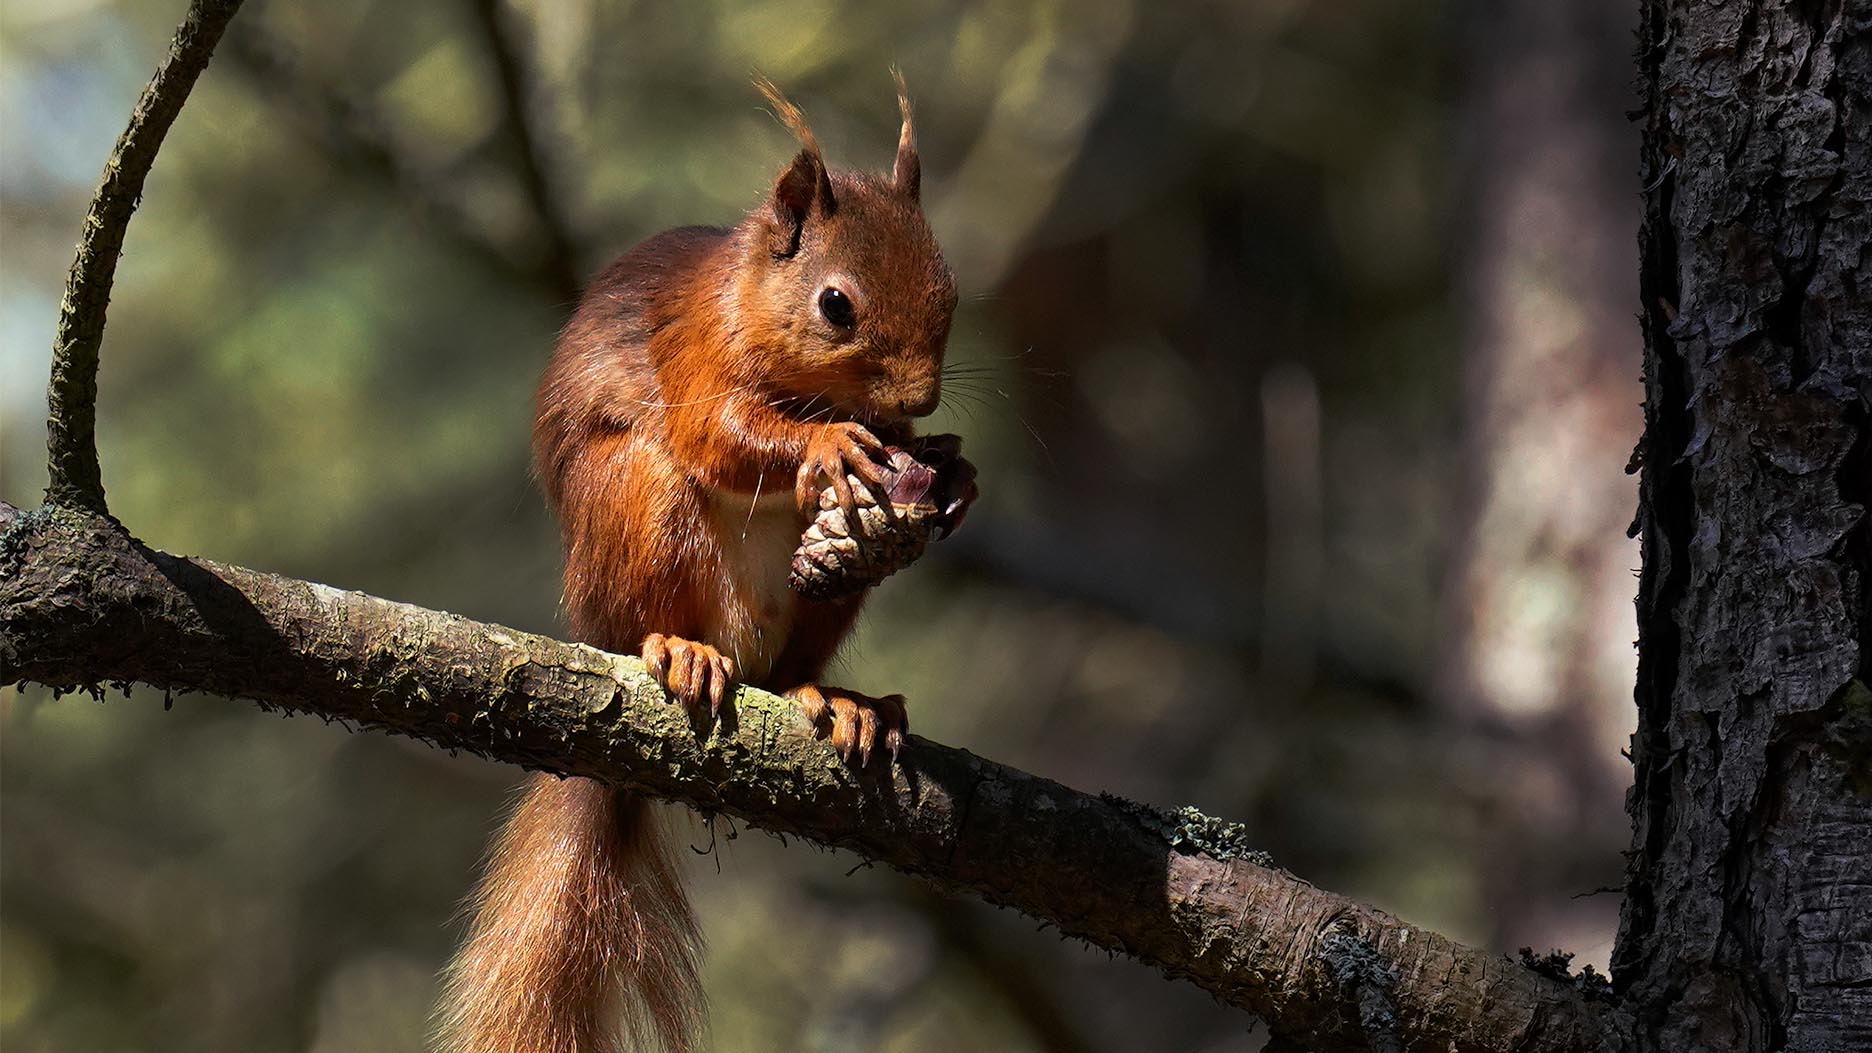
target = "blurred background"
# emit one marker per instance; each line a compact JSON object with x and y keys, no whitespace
{"x":1307,"y":380}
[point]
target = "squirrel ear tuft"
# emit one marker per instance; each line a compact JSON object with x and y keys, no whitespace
{"x":907,"y":175}
{"x":804,"y":184}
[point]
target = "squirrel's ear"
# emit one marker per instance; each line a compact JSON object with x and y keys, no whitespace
{"x":803,"y":186}
{"x":907,"y":175}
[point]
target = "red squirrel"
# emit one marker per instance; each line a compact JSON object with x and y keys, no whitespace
{"x":710,"y":384}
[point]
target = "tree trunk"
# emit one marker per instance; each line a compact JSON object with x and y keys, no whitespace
{"x":1748,"y":918}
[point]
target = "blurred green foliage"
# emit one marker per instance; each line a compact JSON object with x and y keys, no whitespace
{"x":320,"y":363}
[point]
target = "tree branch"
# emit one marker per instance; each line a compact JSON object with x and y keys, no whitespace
{"x":82,"y":603}
{"x":71,"y":423}
{"x":530,"y":162}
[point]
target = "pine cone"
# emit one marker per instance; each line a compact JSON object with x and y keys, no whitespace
{"x":924,"y":498}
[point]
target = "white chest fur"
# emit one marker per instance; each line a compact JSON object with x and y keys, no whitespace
{"x":757,"y":538}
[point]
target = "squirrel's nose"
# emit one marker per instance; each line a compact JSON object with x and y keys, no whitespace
{"x":924,"y":402}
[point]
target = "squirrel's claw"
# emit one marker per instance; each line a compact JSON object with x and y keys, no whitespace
{"x":858,"y":725}
{"x":690,"y":672}
{"x":840,"y":450}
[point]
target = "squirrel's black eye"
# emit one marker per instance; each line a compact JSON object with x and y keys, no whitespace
{"x":837,"y":308}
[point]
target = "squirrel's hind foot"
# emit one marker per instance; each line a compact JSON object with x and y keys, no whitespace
{"x":858,"y":725}
{"x":691,"y":672}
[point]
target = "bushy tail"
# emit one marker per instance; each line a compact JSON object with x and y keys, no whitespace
{"x":583,"y":941}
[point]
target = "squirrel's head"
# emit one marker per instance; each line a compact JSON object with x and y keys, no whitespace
{"x":844,"y":275}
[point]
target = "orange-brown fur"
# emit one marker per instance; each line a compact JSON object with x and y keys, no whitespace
{"x":695,"y":403}
{"x":578,"y":917}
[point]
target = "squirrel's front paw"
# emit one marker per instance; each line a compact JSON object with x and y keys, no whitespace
{"x":857,"y":724}
{"x":689,"y":671}
{"x":839,"y":450}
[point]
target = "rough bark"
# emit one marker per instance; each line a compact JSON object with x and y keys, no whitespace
{"x":81,"y":603}
{"x":1748,"y":918}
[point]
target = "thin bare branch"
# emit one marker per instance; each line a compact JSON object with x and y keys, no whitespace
{"x":531,"y":161}
{"x":71,"y":422}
